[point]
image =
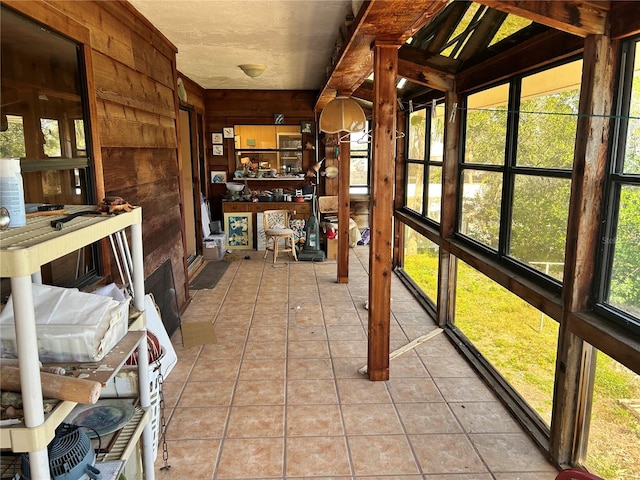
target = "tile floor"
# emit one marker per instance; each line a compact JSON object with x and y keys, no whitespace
{"x":279,"y":395}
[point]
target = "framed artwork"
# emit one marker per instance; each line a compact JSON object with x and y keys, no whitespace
{"x":216,"y":138}
{"x":227,"y":132}
{"x":218,"y":177}
{"x":218,"y":150}
{"x":278,"y":118}
{"x":306,"y":127}
{"x":239,"y":228}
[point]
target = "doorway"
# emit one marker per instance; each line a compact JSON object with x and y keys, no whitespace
{"x":190,"y":188}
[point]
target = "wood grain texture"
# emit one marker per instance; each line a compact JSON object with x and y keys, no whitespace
{"x":382,"y":179}
{"x":579,"y":17}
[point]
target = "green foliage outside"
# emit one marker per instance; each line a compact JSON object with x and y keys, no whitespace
{"x":12,"y":141}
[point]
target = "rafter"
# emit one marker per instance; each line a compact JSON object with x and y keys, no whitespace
{"x":580,"y":18}
{"x":391,"y":21}
{"x":424,"y":75}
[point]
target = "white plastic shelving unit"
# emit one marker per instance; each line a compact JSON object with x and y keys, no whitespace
{"x":23,"y":250}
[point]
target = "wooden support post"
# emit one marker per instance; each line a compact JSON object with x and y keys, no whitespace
{"x":573,"y":372}
{"x":344,"y":207}
{"x":385,"y":67}
{"x":447,"y":265}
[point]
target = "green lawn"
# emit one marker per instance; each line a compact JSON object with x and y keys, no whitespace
{"x":521,"y":344}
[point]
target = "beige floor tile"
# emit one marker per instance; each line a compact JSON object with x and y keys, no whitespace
{"x":206,"y":394}
{"x":464,"y":389}
{"x":407,"y":365}
{"x":348,"y":367}
{"x":361,"y":390}
{"x":484,"y":417}
{"x":257,"y":349}
{"x":313,"y":420}
{"x":307,"y":349}
{"x":251,"y":458}
{"x":348,"y":348}
{"x":433,"y":417}
{"x":311,"y":392}
{"x":446,"y":454}
{"x":525,"y":476}
{"x":309,"y":368}
{"x":263,"y":369}
{"x":306,"y":333}
{"x":508,"y":452}
{"x":375,"y":419}
{"x":256,"y":421}
{"x":419,"y":389}
{"x":345,"y":332}
{"x":259,"y":392}
{"x":382,"y":455}
{"x":316,"y":456}
{"x":192,"y":459}
{"x":197,"y":423}
{"x":268,"y":333}
{"x":214,"y":370}
{"x":277,"y":319}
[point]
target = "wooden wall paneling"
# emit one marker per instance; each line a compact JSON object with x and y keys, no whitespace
{"x":382,"y":178}
{"x":129,"y":167}
{"x":587,"y":185}
{"x":122,"y":126}
{"x":344,"y":210}
{"x":120,"y":84}
{"x":195,"y":93}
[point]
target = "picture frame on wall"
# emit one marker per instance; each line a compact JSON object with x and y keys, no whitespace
{"x":218,"y":177}
{"x":228,"y":132}
{"x":306,"y":127}
{"x":218,"y":150}
{"x":216,"y":138}
{"x":239,"y":229}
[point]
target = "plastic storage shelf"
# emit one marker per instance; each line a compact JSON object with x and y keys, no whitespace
{"x":23,"y":250}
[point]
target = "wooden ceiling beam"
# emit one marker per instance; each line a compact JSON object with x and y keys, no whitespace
{"x":533,"y":53}
{"x":391,"y":21}
{"x":424,"y":75}
{"x":579,"y":17}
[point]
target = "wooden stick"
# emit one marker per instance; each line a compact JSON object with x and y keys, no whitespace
{"x":72,"y":389}
{"x":409,"y":346}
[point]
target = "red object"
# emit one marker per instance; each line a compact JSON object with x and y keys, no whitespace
{"x":576,"y":474}
{"x":331,"y":233}
{"x":153,"y":345}
{"x":298,"y":199}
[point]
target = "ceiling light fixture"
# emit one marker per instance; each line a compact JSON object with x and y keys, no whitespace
{"x":253,"y":70}
{"x":342,"y":114}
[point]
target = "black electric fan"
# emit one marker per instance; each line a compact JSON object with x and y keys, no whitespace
{"x":71,"y":456}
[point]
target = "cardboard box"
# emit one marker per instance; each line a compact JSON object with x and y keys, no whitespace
{"x":332,"y":248}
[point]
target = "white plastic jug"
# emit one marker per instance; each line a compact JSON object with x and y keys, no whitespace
{"x":12,"y":191}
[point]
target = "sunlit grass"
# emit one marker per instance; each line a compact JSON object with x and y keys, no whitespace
{"x":521,"y":344}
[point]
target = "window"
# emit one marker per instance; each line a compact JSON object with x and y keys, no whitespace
{"x":424,"y":163}
{"x":516,"y":168}
{"x":516,"y":339}
{"x":420,"y":262}
{"x":46,"y":127}
{"x":359,"y":162}
{"x":619,"y":293}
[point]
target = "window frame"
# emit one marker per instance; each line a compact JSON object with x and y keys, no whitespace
{"x":427,"y":163}
{"x":616,"y":179}
{"x":510,"y":170}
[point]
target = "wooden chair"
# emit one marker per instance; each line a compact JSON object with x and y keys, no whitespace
{"x":576,"y":474}
{"x":276,"y":227}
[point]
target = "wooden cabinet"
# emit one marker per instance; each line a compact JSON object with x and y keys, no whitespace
{"x":23,"y":251}
{"x":268,"y":147}
{"x":299,"y":210}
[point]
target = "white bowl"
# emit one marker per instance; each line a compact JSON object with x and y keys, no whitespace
{"x":235,"y":187}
